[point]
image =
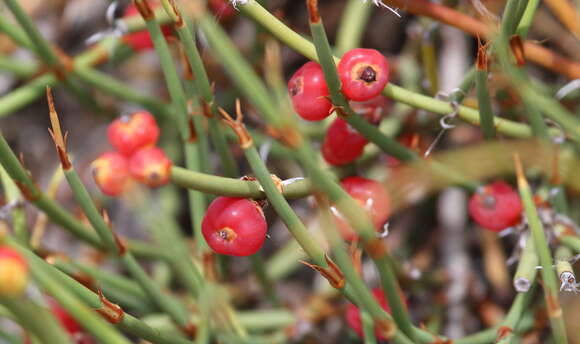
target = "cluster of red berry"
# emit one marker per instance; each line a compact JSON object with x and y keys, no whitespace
{"x":135,"y":157}
{"x":363,"y":73}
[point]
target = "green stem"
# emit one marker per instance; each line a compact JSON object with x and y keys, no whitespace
{"x":37,"y":319}
{"x":64,"y":284}
{"x":527,"y":18}
{"x":484,"y":101}
{"x":354,"y":20}
{"x":368,"y":327}
{"x":20,"y":69}
{"x":41,"y":45}
{"x":222,"y":186}
{"x":551,"y":289}
{"x":526,"y":271}
{"x":283,"y":209}
{"x":517,"y":310}
{"x":18,"y":215}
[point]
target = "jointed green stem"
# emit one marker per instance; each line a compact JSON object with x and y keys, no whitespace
{"x":37,"y":319}
{"x":551,"y":289}
{"x":64,"y":284}
{"x":352,"y":25}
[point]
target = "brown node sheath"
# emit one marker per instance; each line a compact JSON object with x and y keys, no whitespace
{"x":112,"y":312}
{"x":56,"y":132}
{"x":385,"y":327}
{"x":209,"y":266}
{"x":206,"y":107}
{"x":179,"y":23}
{"x":29,"y":195}
{"x":482,"y":60}
{"x":121,"y":247}
{"x":237,"y":125}
{"x":144,"y":9}
{"x":376,"y":248}
{"x":313,"y":10}
{"x":503,"y":332}
{"x":554,"y":309}
{"x":517,"y":47}
{"x":332,"y":273}
{"x":189,"y":330}
{"x":192,"y":133}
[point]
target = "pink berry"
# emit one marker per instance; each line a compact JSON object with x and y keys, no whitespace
{"x":132,"y":132}
{"x":234,"y":226}
{"x":13,"y":273}
{"x":70,"y":325}
{"x":496,"y":206}
{"x":342,"y":143}
{"x":150,"y":166}
{"x":374,"y":199}
{"x":353,"y":317}
{"x":364,"y":73}
{"x":111,"y":173}
{"x":309,"y":93}
{"x":140,"y":40}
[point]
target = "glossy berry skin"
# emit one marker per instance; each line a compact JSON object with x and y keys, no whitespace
{"x":342,"y":144}
{"x":496,"y":206}
{"x":140,"y":40}
{"x":372,"y":110}
{"x":372,"y":196}
{"x":13,"y":273}
{"x":222,"y":9}
{"x":111,"y":173}
{"x":234,"y":226}
{"x":132,"y":132}
{"x":353,"y":317}
{"x":70,"y":325}
{"x":309,"y":93}
{"x":364,"y":73}
{"x":150,"y":166}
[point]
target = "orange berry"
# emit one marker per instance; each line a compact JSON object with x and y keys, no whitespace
{"x":13,"y":272}
{"x":111,"y":173}
{"x":150,"y":166}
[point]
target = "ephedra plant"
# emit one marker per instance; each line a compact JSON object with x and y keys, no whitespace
{"x":260,"y":181}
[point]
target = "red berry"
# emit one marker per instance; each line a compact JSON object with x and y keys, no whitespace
{"x":309,"y":93}
{"x":221,"y":9}
{"x":353,"y":318}
{"x":372,"y":196}
{"x":364,"y":73}
{"x":70,"y":325}
{"x":150,"y":166}
{"x":372,"y":109}
{"x":13,"y":272}
{"x":140,"y":40}
{"x":496,"y":206}
{"x":342,"y":143}
{"x":111,"y":173}
{"x":234,"y":226}
{"x":132,"y":132}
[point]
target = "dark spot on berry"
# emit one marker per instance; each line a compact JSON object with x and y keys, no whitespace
{"x":489,"y":201}
{"x":368,"y":75}
{"x":125,"y":118}
{"x":154,"y":176}
{"x":297,"y":87}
